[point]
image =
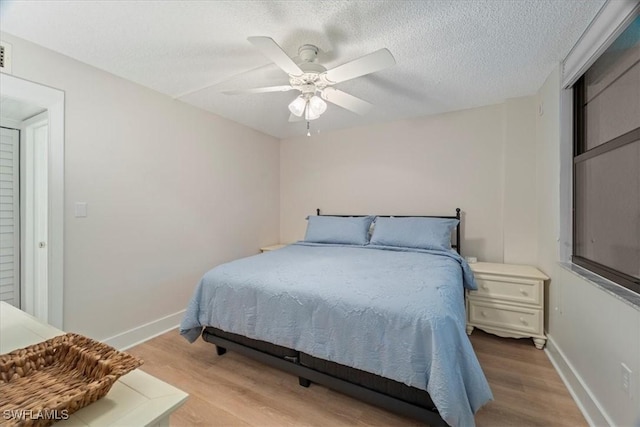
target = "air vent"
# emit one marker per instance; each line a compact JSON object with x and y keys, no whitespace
{"x":5,"y":57}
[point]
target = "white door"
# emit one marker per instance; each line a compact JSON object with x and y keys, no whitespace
{"x":35,"y":197}
{"x":10,"y":216}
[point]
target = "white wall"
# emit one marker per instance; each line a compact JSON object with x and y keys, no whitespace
{"x":519,"y":198}
{"x":428,"y":165}
{"x":547,"y":158}
{"x":171,"y":190}
{"x":590,"y":331}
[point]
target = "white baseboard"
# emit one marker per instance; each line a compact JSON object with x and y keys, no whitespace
{"x":582,"y":395}
{"x":145,"y":332}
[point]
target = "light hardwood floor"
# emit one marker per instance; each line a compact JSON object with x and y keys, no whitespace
{"x":232,"y":390}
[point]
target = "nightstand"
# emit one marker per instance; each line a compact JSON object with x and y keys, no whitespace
{"x":509,"y":301}
{"x":272,"y":247}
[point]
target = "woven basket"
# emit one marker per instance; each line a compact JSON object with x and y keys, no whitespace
{"x":48,"y":381}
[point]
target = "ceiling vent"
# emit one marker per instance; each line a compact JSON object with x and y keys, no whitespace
{"x":5,"y":57}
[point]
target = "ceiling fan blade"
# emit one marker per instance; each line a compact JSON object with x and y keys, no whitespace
{"x":274,"y":52}
{"x":283,"y":88}
{"x":346,"y":101}
{"x":376,"y":61}
{"x":293,"y":118}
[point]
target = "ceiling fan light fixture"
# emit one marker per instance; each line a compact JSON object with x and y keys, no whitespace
{"x":298,"y":106}
{"x":309,"y":114}
{"x":317,"y":105}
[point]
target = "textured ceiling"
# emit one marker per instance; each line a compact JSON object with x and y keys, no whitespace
{"x":450,"y":55}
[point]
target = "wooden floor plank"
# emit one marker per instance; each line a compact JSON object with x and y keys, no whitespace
{"x":233,"y":390}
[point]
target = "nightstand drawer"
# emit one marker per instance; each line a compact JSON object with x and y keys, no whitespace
{"x":505,"y":316}
{"x":509,"y":289}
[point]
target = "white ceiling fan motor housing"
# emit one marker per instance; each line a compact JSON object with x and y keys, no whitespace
{"x":308,"y":52}
{"x":312,"y":76}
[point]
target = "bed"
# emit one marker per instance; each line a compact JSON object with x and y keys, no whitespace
{"x":377,"y":316}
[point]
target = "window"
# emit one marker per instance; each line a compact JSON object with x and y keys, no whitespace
{"x":606,"y":163}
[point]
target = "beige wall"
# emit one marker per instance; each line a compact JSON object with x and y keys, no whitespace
{"x":519,"y":197}
{"x":547,"y":157}
{"x":171,"y":192}
{"x":590,"y":331}
{"x":428,"y":165}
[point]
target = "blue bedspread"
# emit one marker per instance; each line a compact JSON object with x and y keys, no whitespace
{"x":398,"y":313}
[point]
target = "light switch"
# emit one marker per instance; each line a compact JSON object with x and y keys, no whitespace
{"x":81,"y":209}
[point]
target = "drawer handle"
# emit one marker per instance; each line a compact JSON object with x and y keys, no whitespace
{"x":524,"y":322}
{"x":523,"y":292}
{"x":483,"y":313}
{"x":485,"y":287}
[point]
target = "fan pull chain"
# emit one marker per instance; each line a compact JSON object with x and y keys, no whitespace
{"x":308,"y":131}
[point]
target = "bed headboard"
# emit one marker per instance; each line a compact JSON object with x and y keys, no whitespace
{"x":455,"y":245}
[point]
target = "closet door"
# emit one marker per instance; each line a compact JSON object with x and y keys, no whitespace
{"x":9,"y":216}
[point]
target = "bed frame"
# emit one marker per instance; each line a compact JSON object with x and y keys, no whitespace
{"x":378,"y":391}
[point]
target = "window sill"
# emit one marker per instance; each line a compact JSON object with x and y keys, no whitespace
{"x":629,"y":297}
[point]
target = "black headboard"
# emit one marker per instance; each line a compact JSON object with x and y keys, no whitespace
{"x":455,"y":245}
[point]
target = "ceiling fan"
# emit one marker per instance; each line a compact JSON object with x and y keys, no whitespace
{"x":312,"y":79}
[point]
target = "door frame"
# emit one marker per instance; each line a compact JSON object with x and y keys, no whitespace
{"x":53,"y":101}
{"x":34,"y":285}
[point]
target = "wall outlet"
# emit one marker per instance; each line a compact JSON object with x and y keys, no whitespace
{"x":626,"y":379}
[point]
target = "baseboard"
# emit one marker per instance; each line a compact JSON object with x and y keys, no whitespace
{"x":582,"y":395}
{"x":145,"y":332}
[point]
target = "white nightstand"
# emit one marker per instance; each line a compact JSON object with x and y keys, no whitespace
{"x":272,"y":247}
{"x":509,"y":301}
